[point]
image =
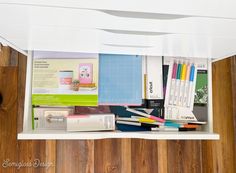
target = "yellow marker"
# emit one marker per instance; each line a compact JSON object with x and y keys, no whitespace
{"x":146,"y":120}
{"x":183,"y":74}
{"x":182,"y":85}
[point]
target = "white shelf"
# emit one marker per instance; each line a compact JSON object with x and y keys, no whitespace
{"x":56,"y":135}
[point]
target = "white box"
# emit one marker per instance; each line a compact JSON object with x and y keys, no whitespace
{"x":91,"y":122}
{"x":154,"y":77}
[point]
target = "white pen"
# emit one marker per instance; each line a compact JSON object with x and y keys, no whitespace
{"x":191,"y":81}
{"x":182,"y":84}
{"x":172,"y":85}
{"x":177,"y":84}
{"x":186,"y":88}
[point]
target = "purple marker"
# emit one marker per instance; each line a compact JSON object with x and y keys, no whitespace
{"x":173,"y":81}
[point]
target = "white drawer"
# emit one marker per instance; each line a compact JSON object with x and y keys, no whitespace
{"x":28,"y":133}
{"x":120,"y":27}
{"x":103,"y":41}
{"x":183,"y":7}
{"x":159,"y":28}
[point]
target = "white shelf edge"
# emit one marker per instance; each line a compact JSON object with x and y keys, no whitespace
{"x":61,"y":135}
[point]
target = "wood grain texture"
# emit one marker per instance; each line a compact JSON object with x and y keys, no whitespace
{"x":75,"y":156}
{"x":33,"y":153}
{"x":219,"y":156}
{"x":144,"y":156}
{"x":126,"y":155}
{"x":107,"y":156}
{"x":5,"y":56}
{"x":51,"y":156}
{"x":233,"y":73}
{"x":207,"y":156}
{"x":184,"y":157}
{"x":162,"y":150}
{"x":8,"y":113}
{"x":38,"y":156}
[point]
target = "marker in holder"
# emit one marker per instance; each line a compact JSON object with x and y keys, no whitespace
{"x":173,"y":83}
{"x":180,"y":91}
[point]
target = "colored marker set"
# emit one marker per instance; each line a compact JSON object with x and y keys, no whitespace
{"x":182,"y":81}
{"x":180,"y":91}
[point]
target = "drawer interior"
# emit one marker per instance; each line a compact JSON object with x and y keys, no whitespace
{"x":202,"y":112}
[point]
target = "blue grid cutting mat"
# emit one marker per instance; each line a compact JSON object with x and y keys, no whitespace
{"x":120,"y":79}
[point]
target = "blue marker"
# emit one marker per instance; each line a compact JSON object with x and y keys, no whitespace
{"x":191,"y":83}
{"x":172,"y":124}
{"x":192,"y":70}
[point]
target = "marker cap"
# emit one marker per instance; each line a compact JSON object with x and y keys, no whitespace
{"x":188,"y":72}
{"x":192,"y":72}
{"x":174,"y":70}
{"x":183,"y":74}
{"x":179,"y":71}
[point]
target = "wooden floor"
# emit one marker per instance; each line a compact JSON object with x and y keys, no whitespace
{"x":115,"y":155}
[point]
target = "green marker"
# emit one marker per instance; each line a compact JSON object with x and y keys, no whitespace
{"x":179,"y":71}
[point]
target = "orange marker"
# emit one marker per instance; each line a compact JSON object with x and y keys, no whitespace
{"x":190,"y":126}
{"x":186,"y":86}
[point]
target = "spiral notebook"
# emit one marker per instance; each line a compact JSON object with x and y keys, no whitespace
{"x":120,"y":79}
